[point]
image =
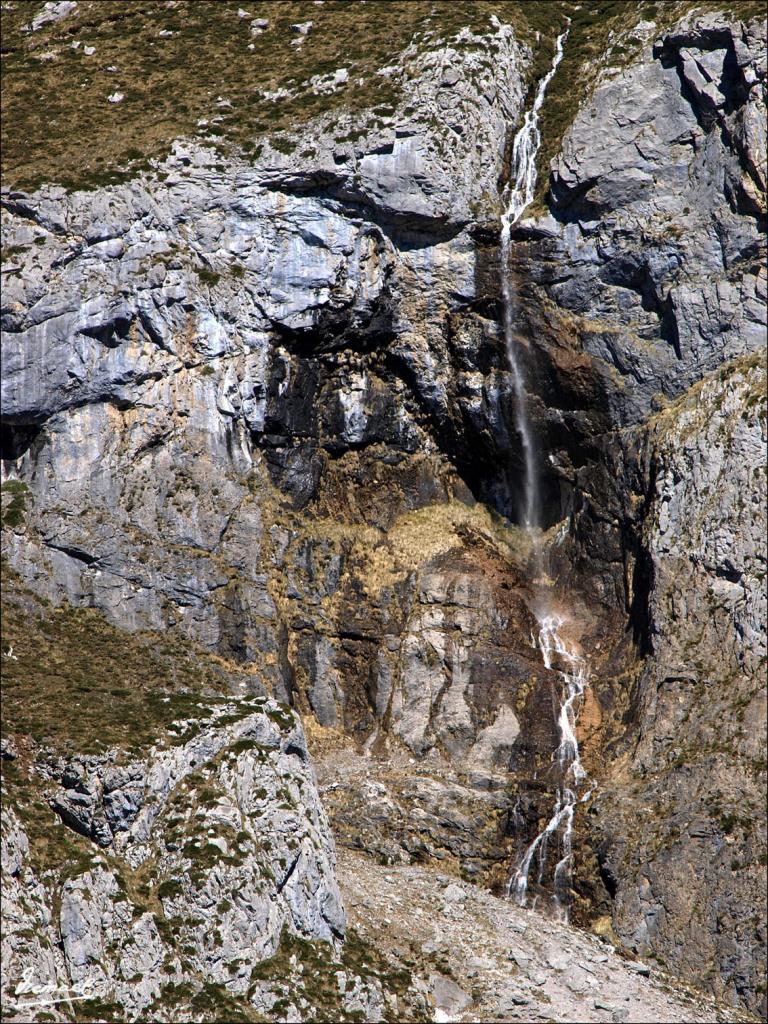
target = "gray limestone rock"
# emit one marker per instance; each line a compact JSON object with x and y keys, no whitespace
{"x":660,"y":230}
{"x":699,"y":701}
{"x":223,"y":888}
{"x":447,"y":995}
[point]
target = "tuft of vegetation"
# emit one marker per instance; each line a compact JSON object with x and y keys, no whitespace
{"x":99,"y":1010}
{"x":169,"y":889}
{"x":13,"y":494}
{"x":10,"y":252}
{"x":214,"y":1002}
{"x":209,"y":277}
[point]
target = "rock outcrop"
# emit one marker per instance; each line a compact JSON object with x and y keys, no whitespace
{"x":201,"y":854}
{"x":260,"y":394}
{"x":654,"y":243}
{"x":694,"y":770}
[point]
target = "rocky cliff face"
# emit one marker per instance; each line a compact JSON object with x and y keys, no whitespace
{"x":203,"y":852}
{"x":647,"y":244}
{"x":262,"y":407}
{"x":696,"y":766}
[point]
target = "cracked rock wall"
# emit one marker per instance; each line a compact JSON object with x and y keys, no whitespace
{"x":208,"y":849}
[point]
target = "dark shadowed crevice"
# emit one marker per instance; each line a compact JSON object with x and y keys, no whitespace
{"x":16,"y":439}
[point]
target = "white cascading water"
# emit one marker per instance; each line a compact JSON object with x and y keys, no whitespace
{"x":519,"y":196}
{"x":524,"y":150}
{"x":556,"y":651}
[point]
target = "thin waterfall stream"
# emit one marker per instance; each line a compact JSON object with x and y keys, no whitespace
{"x":557,"y":651}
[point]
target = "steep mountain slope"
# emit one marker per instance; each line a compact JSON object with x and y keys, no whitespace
{"x":490,"y":960}
{"x":647,"y":244}
{"x":258,"y":418}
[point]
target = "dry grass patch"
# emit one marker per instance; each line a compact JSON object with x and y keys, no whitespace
{"x":76,"y":683}
{"x":59,"y":125}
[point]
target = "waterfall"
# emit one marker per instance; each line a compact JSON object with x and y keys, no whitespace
{"x":557,"y":652}
{"x":524,"y":150}
{"x":518,"y":197}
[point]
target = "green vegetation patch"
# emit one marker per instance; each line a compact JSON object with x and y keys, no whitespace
{"x":214,"y":1002}
{"x":211,"y":1002}
{"x":76,"y":683}
{"x":302,"y":972}
{"x":319,"y":966}
{"x":14,"y":495}
{"x":209,"y":277}
{"x":99,"y":1010}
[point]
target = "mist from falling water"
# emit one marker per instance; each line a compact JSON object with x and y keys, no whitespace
{"x":557,"y":652}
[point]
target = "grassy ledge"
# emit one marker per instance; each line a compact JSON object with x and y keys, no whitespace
{"x":195,"y":69}
{"x":182,"y":63}
{"x":76,"y":684}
